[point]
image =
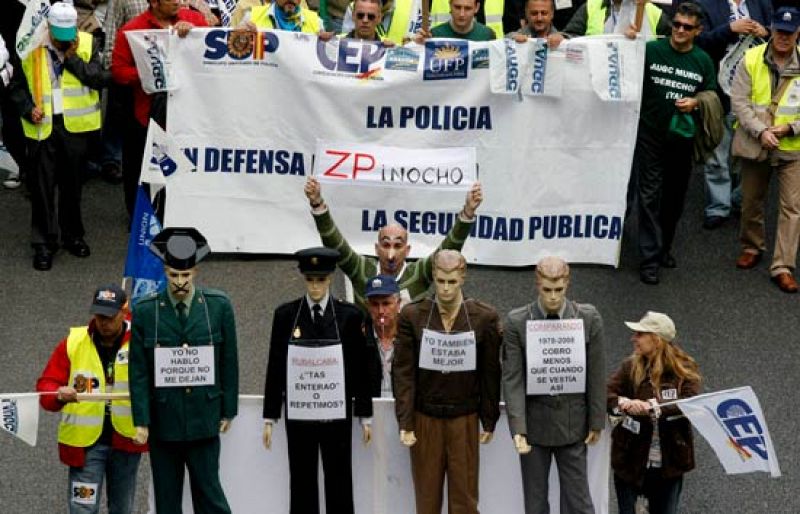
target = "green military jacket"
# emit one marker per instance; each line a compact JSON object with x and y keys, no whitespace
{"x":192,"y":412}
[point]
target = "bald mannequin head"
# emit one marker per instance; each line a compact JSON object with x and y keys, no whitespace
{"x":392,"y":248}
{"x":449,"y":270}
{"x":552,"y":280}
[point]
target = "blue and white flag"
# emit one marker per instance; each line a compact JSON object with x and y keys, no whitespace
{"x":19,"y":413}
{"x":32,"y":31}
{"x":733,"y":424}
{"x":146,"y":270}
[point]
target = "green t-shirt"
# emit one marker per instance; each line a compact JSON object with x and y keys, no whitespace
{"x":670,"y":75}
{"x":479,"y":32}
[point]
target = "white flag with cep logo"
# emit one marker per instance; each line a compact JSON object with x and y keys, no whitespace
{"x":365,"y":164}
{"x":733,"y":424}
{"x":19,"y":415}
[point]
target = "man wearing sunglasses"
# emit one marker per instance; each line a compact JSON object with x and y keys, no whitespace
{"x":676,"y":72}
{"x":367,"y":18}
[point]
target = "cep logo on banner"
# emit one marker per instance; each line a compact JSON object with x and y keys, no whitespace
{"x":365,"y":164}
{"x":446,"y":60}
{"x":240,"y":47}
{"x":10,"y":415}
{"x":350,"y":58}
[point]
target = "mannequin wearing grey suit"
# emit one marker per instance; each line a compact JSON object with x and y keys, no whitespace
{"x":559,"y":424}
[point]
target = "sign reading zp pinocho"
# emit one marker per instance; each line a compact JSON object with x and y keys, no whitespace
{"x":365,"y":164}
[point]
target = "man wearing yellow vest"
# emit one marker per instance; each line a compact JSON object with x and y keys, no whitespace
{"x":770,"y":74}
{"x":57,"y":96}
{"x":615,"y":17}
{"x":95,"y":437}
{"x":283,"y":15}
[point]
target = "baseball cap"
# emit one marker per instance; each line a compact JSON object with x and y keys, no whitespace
{"x":108,"y":300}
{"x":654,"y":323}
{"x":382,"y":285}
{"x":63,"y":20}
{"x":786,"y":19}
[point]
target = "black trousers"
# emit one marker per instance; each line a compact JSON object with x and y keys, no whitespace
{"x":57,"y":163}
{"x":306,"y":440}
{"x":134,"y":138}
{"x":201,"y":457}
{"x":664,"y":165}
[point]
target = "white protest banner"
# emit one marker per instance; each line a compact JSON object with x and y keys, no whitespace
{"x":439,"y":351}
{"x":545,"y":75}
{"x":150,"y":50}
{"x":389,"y":166}
{"x":734,"y":425}
{"x":315,"y":383}
{"x":32,"y":30}
{"x":184,"y":366}
{"x":556,"y":356}
{"x":253,"y":478}
{"x":504,"y":66}
{"x":20,"y":415}
{"x":610,"y":70}
{"x":554,"y":172}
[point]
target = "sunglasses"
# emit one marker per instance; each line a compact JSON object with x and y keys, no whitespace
{"x":685,"y":26}
{"x":368,"y":15}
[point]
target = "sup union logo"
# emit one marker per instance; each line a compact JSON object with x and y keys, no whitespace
{"x":446,"y":60}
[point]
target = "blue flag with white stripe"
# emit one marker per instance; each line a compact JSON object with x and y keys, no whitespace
{"x":146,"y":270}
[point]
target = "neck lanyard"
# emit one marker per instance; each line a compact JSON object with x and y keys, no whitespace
{"x":297,"y":317}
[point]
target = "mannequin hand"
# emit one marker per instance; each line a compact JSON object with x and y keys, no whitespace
{"x":224,"y":425}
{"x":408,"y":438}
{"x":366,"y":434}
{"x":521,"y":443}
{"x":142,"y":433}
{"x":593,"y":437}
{"x":267,"y":436}
{"x":486,"y":437}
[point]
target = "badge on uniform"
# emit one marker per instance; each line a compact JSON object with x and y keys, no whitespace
{"x":84,"y":493}
{"x":631,"y":424}
{"x":669,"y":394}
{"x":296,"y":334}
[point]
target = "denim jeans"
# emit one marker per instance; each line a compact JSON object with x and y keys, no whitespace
{"x":720,"y":171}
{"x":119,"y":470}
{"x":662,"y":494}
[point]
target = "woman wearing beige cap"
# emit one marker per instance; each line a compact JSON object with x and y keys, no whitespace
{"x":652,"y":447}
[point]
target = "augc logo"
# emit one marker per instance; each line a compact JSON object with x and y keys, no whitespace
{"x":239,"y":45}
{"x":10,"y":415}
{"x":446,"y":60}
{"x":614,"y":80}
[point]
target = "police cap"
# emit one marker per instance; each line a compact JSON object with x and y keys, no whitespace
{"x":180,"y":247}
{"x":317,"y":261}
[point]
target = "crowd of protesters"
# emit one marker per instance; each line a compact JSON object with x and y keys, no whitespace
{"x":75,"y":104}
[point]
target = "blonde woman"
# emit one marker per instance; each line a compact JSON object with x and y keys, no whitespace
{"x":652,"y":447}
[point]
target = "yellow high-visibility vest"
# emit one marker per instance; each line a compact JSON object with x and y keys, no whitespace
{"x":82,"y":422}
{"x":81,"y":103}
{"x":492,"y":10}
{"x":596,"y":17}
{"x":788,"y":110}
{"x":309,"y":20}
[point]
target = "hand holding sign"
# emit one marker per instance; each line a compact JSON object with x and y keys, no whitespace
{"x":266,"y":437}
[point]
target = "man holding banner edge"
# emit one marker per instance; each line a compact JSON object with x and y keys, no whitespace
{"x":392,"y":247}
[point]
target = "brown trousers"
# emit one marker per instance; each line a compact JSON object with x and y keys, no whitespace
{"x":755,"y":184}
{"x":445,"y":446}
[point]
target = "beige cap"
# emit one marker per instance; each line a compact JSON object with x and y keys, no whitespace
{"x":655,"y":323}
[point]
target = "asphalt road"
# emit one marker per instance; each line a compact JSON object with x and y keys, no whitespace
{"x":739,"y":327}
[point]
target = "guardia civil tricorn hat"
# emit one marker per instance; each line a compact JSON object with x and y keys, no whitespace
{"x":180,"y":247}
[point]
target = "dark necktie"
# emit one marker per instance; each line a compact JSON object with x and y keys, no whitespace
{"x":317,"y":314}
{"x":181,"y":313}
{"x":552,"y":316}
